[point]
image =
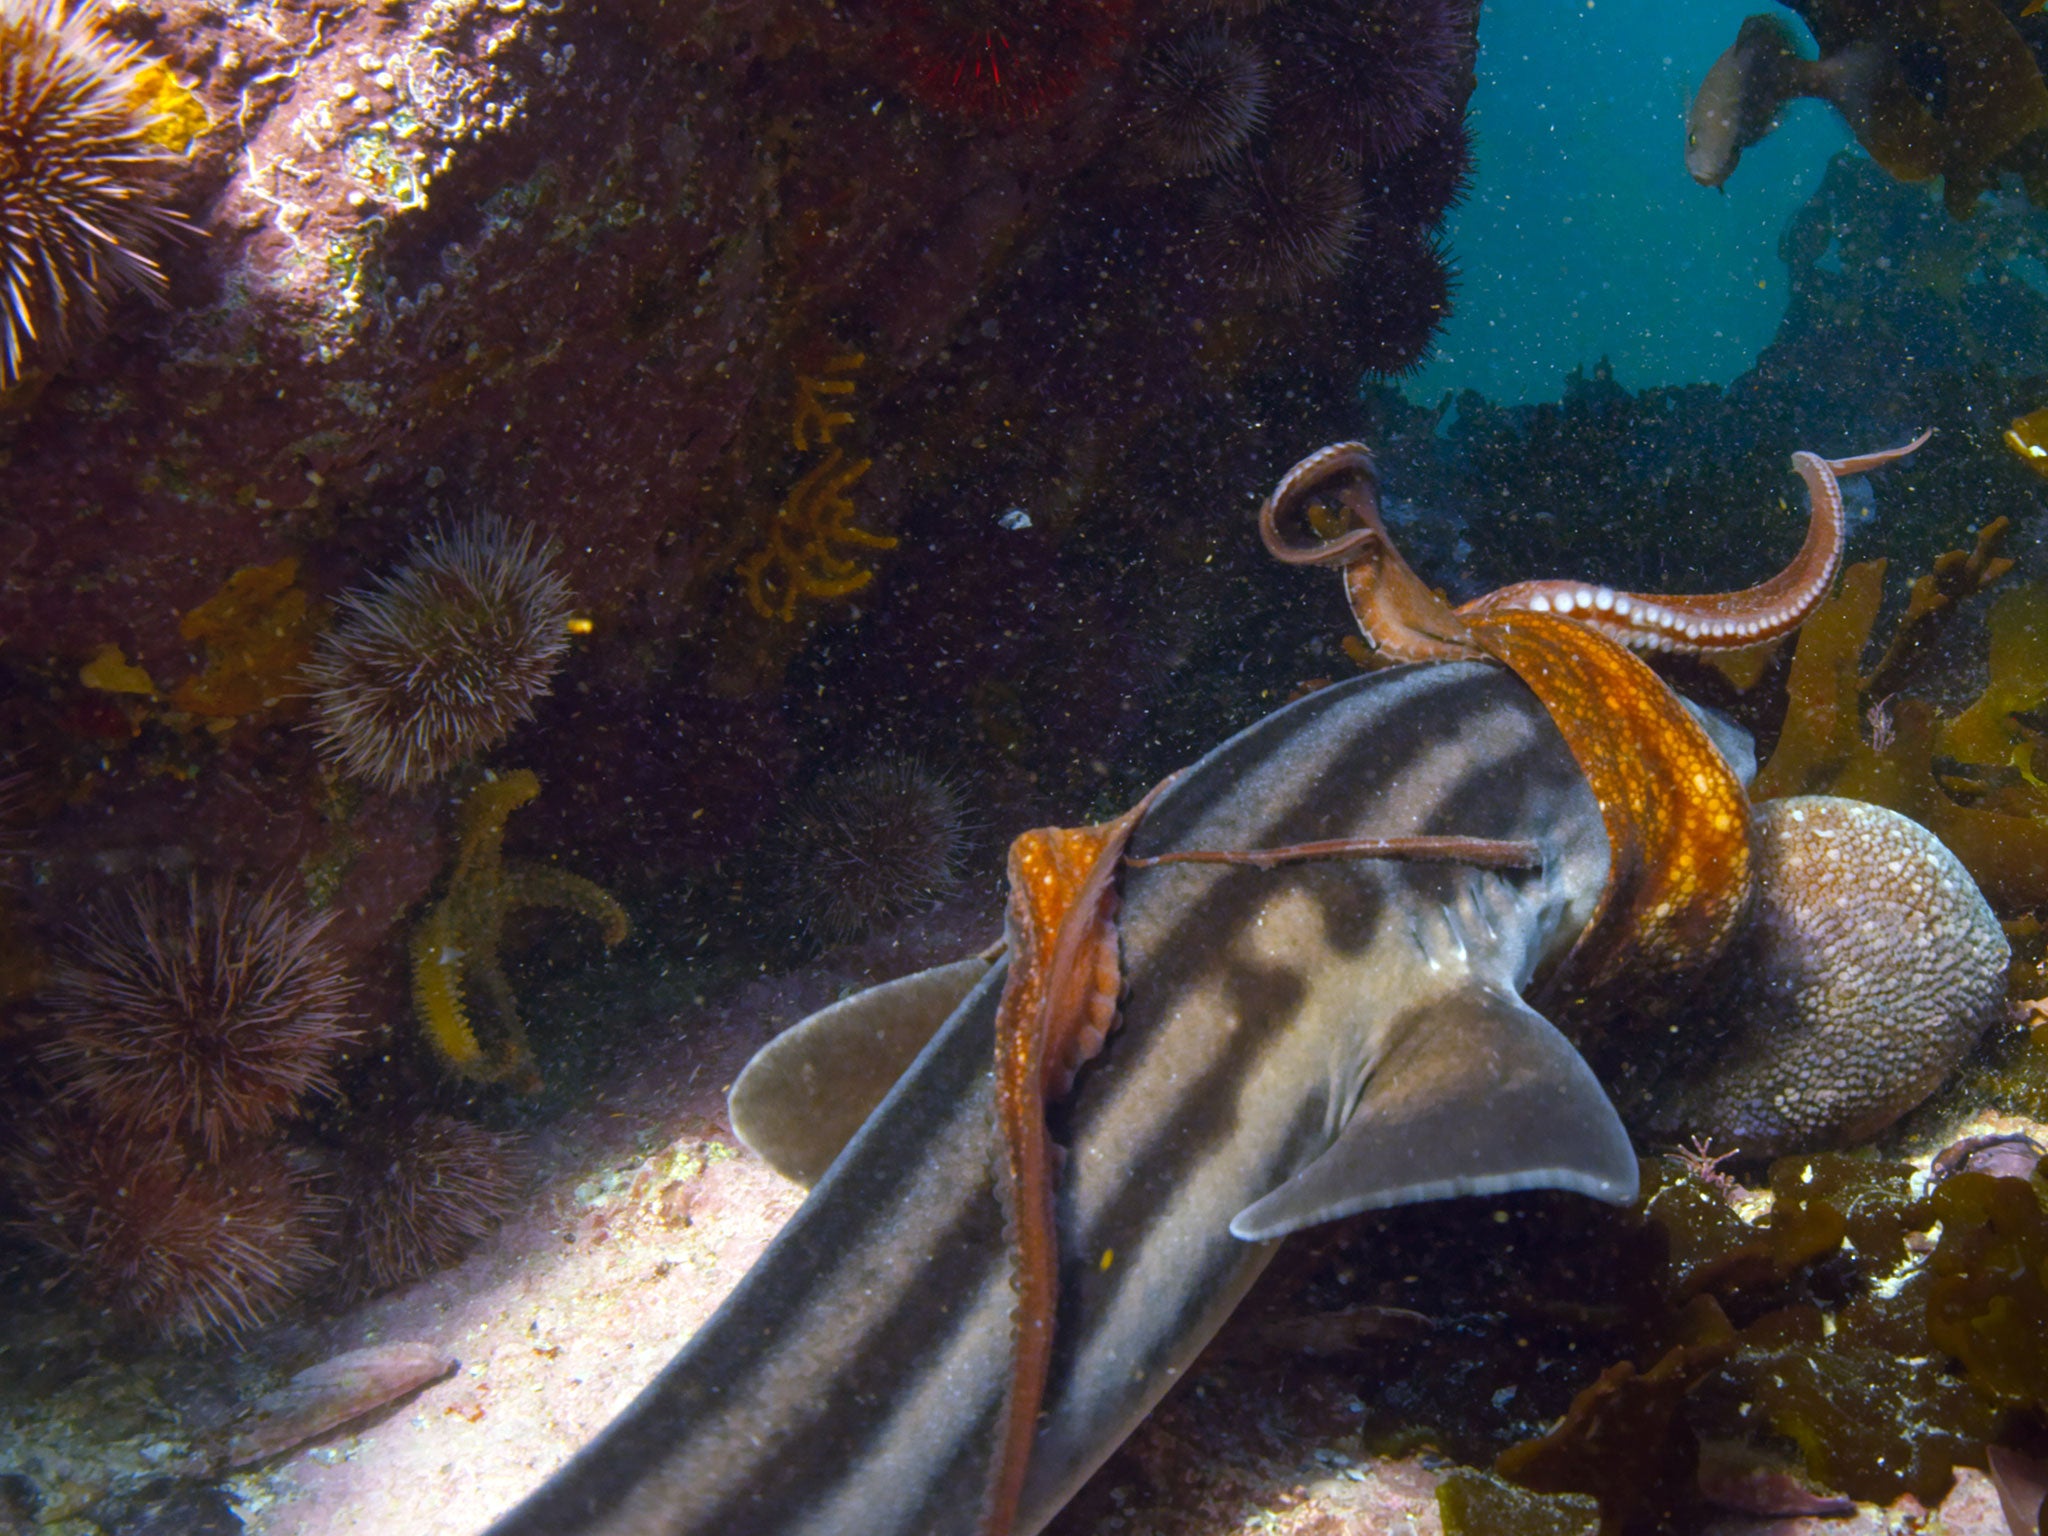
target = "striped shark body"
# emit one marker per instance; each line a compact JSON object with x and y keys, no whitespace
{"x":1297,"y":1043}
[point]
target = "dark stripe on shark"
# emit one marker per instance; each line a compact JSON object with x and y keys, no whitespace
{"x":835,"y":1351}
{"x":684,"y":1418}
{"x":1182,"y":962}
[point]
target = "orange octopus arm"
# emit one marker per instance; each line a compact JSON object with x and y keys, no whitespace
{"x":1679,"y":871}
{"x":1058,"y":1005}
{"x":1405,"y":620}
{"x":1713,"y":621}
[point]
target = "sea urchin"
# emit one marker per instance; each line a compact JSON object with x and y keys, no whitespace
{"x":81,"y":185}
{"x":151,"y":1233}
{"x":1285,"y":221}
{"x":1398,"y":296}
{"x":422,"y":1198}
{"x":1007,"y":60}
{"x":1379,"y":71}
{"x":199,"y":1010}
{"x":441,"y":658}
{"x":873,"y":844}
{"x":1199,"y":97}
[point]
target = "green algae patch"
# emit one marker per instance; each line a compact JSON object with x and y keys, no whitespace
{"x":1474,"y":1504}
{"x":1987,"y":1295}
{"x":1843,"y":1341}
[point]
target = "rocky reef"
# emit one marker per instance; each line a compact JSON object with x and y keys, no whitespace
{"x":720,"y":432}
{"x":821,"y":436}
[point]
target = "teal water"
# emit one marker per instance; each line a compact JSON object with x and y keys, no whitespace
{"x":1583,"y":236}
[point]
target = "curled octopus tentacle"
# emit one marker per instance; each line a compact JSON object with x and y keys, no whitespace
{"x":1406,"y":621}
{"x":1307,"y":477}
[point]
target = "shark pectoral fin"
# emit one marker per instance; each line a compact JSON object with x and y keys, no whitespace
{"x":1478,"y":1094}
{"x":806,"y":1092}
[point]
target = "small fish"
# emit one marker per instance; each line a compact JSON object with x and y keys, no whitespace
{"x":1948,"y":89}
{"x":334,"y":1392}
{"x":1749,"y":86}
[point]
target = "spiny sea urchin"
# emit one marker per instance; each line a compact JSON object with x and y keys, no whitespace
{"x":423,"y":1197}
{"x":1378,"y":71}
{"x":1397,"y":297}
{"x":1426,"y":180}
{"x":442,"y":658}
{"x":871,"y":845}
{"x":1198,"y":99}
{"x":198,"y":1010}
{"x":152,"y":1233}
{"x":81,"y":185}
{"x":1283,"y":221}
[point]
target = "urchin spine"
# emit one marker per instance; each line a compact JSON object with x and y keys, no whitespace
{"x":81,"y":185}
{"x":441,"y":659}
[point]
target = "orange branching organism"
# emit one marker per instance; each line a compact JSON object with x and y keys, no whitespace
{"x":803,"y":556}
{"x":815,"y":419}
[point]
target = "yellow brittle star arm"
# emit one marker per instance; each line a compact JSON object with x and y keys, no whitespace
{"x":537,"y":885}
{"x":437,"y":995}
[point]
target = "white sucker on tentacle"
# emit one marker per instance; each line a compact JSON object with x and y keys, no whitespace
{"x":1405,"y":620}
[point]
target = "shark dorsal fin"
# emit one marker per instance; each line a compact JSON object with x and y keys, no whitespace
{"x":1478,"y":1094}
{"x":804,"y":1094}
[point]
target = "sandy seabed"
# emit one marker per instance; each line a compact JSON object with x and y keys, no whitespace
{"x":644,"y":1215}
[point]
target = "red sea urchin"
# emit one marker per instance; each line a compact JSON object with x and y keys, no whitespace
{"x":873,"y":844}
{"x":422,"y":1198}
{"x":1003,"y":59}
{"x":443,"y":657}
{"x":197,"y":1010}
{"x":81,"y":186}
{"x":152,"y":1234}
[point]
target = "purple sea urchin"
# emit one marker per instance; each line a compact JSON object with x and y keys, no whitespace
{"x":422,"y":1198}
{"x":1399,"y":292}
{"x":1283,"y":221}
{"x":443,"y":657}
{"x":1199,"y":98}
{"x":1427,"y":179}
{"x":152,"y":1233}
{"x":873,"y":844}
{"x":81,"y":186}
{"x":198,"y":1010}
{"x":1382,"y":71}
